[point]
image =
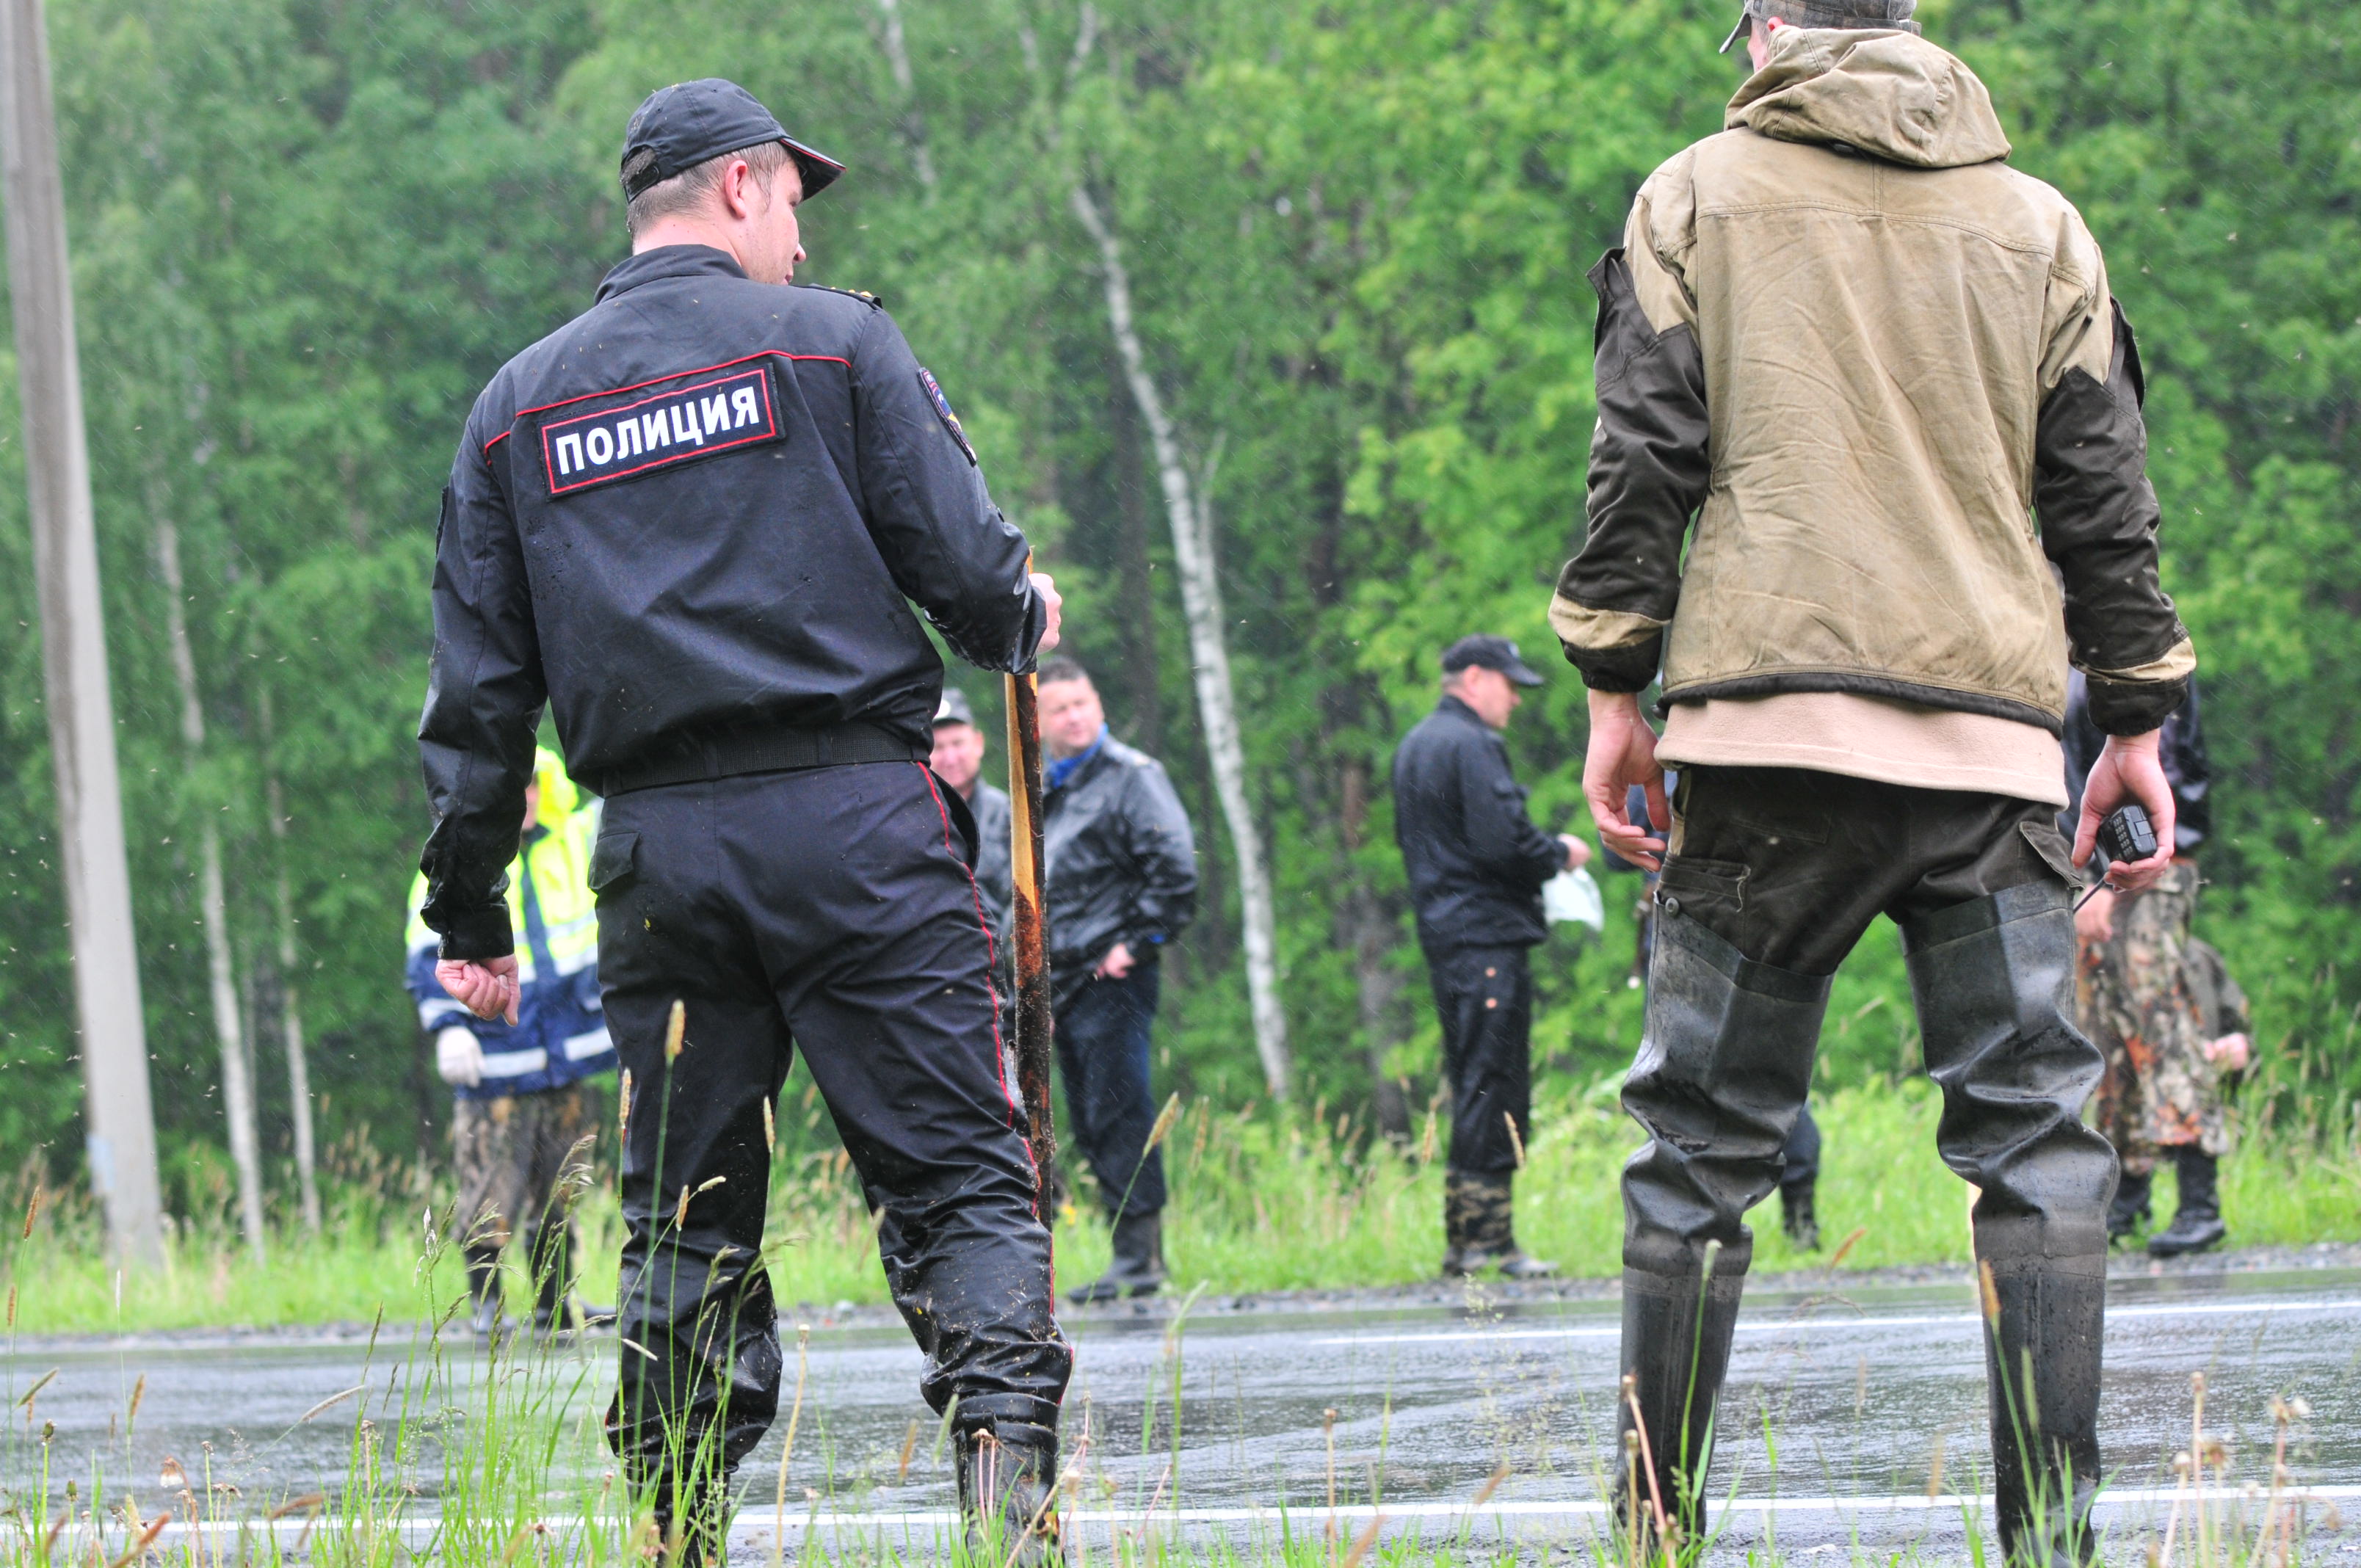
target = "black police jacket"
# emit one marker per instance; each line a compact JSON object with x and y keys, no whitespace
{"x":694,"y":520}
{"x":1476,"y":862}
{"x":1119,"y":862}
{"x":2181,"y":750}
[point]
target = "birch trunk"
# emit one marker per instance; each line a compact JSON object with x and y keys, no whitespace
{"x":1200,"y":603}
{"x":897,"y":59}
{"x":238,"y":1079}
{"x":290,"y":1008}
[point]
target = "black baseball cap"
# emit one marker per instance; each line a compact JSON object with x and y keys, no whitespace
{"x":954,"y":709}
{"x":678,"y":127}
{"x":1490,"y":653}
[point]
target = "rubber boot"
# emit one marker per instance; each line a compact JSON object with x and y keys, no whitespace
{"x":2197,"y":1223}
{"x":555,"y":1308}
{"x":2129,"y":1210}
{"x":2042,"y":1358}
{"x":1008,"y":1491}
{"x":701,"y":1528}
{"x":1796,"y":1217}
{"x":484,"y":1290}
{"x":1137,"y":1267}
{"x":1479,"y":1220}
{"x":1676,"y":1335}
{"x":1993,"y":981}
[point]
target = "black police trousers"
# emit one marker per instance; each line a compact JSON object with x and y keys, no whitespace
{"x":1104,"y":1035}
{"x":1774,"y":874}
{"x":825,"y":909}
{"x":1484,"y":998}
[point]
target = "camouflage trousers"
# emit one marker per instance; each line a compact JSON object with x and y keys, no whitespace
{"x":2136,"y":1003}
{"x":511,"y":1156}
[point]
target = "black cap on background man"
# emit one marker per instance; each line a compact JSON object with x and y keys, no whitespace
{"x":678,"y":127}
{"x":1485,"y":653}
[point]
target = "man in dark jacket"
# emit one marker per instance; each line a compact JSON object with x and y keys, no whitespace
{"x":1120,"y":863}
{"x":1477,"y":865}
{"x":2162,"y":1094}
{"x":693,"y":522}
{"x":959,"y":763}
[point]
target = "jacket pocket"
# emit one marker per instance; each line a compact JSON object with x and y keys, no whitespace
{"x":613,"y":860}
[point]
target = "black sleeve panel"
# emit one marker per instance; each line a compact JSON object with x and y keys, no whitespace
{"x":484,"y":697}
{"x":2099,"y":520}
{"x":1650,"y":468}
{"x":948,"y":546}
{"x":1500,"y":836}
{"x":2186,"y":764}
{"x":1157,"y":836}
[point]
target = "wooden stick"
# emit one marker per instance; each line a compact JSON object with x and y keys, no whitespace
{"x":1030,"y":933}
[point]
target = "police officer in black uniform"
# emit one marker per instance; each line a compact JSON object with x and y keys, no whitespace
{"x":693,"y":522}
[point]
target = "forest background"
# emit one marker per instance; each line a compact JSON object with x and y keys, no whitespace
{"x":305,"y":232}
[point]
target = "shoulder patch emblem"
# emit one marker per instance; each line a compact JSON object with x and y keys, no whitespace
{"x":657,"y":429}
{"x":943,"y":409}
{"x":863,"y":295}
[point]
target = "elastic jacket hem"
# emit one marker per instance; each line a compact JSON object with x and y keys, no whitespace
{"x":1857,"y":683}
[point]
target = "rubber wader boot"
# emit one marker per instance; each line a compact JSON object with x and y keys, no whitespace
{"x":1479,"y":1229}
{"x":1721,"y":1075}
{"x":1993,"y":982}
{"x":2129,"y":1212}
{"x":484,"y":1290}
{"x":555,"y":1307}
{"x":2041,"y":1355}
{"x":1676,"y":1335}
{"x":1137,"y":1268}
{"x":1008,"y":1491}
{"x":1796,"y":1215}
{"x":702,"y":1529}
{"x":2196,"y":1223}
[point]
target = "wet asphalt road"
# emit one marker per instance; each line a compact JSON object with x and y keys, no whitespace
{"x":1840,"y":1408}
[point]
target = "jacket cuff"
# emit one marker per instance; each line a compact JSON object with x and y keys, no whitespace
{"x":481,"y":934}
{"x":2134,"y":708}
{"x":1631,"y":668}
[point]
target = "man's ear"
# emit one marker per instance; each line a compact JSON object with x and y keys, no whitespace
{"x":738,"y":183}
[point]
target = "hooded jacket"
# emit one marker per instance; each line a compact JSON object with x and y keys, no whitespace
{"x":1864,"y":356}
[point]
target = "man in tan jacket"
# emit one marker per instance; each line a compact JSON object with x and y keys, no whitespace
{"x":1873,"y":381}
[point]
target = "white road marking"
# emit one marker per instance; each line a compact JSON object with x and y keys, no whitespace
{"x":1475,"y":1336}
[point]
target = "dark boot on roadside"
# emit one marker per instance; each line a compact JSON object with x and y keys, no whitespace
{"x":1676,"y":1335}
{"x":484,"y":1290}
{"x":2042,"y":1358}
{"x":2129,"y":1212}
{"x":1137,"y":1267}
{"x":1480,"y":1222}
{"x":1796,"y":1218}
{"x":696,"y":1535}
{"x":555,"y":1308}
{"x":1008,"y":1491}
{"x":2197,"y":1223}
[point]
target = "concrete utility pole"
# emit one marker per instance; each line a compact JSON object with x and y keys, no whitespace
{"x":122,"y":1134}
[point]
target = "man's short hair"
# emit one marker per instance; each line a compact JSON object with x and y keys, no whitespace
{"x":692,"y":188}
{"x":1063,"y":669}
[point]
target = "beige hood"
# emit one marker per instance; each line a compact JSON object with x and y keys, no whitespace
{"x":1892,"y":94}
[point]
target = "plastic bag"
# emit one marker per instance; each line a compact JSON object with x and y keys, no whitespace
{"x":1572,"y":897}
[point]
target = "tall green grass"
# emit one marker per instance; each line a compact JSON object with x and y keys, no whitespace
{"x":1263,"y":1200}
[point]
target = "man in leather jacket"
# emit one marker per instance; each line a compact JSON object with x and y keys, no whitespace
{"x":1120,"y":864}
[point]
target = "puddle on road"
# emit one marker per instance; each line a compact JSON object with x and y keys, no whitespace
{"x":1855,"y":1392}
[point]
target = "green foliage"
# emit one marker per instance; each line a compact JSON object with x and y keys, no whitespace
{"x":306,"y":233}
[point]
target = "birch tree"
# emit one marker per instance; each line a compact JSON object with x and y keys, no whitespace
{"x":1185,"y":506}
{"x":236,"y":1069}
